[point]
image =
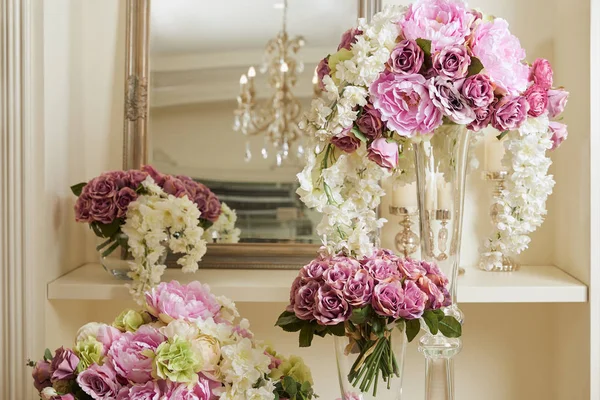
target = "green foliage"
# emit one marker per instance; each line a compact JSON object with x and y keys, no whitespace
{"x":501,"y":135}
{"x":359,"y":135}
{"x":475,"y":67}
{"x":425,"y":45}
{"x":432,"y":321}
{"x":413,"y":326}
{"x":76,"y":189}
{"x":306,"y":335}
{"x":450,"y":327}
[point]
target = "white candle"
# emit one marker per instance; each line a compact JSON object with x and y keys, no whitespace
{"x":494,"y":152}
{"x":243,"y":81}
{"x":405,"y":195}
{"x":444,"y":195}
{"x":430,"y":196}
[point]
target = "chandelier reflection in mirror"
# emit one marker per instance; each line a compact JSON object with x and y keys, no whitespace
{"x":277,"y":117}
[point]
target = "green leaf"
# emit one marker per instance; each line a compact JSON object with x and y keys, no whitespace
{"x":501,"y":136}
{"x":359,"y":135}
{"x":439,"y":313}
{"x":295,"y":327}
{"x":290,"y":386}
{"x":77,"y":189}
{"x":413,"y":326}
{"x":360,"y":315}
{"x":450,"y":327}
{"x":475,"y":67}
{"x":47,"y":355}
{"x":377,"y":325}
{"x":306,"y":387}
{"x":286,"y":318}
{"x":337,"y":330}
{"x":431,"y":320}
{"x":110,"y":230}
{"x":425,"y":45}
{"x":306,"y":335}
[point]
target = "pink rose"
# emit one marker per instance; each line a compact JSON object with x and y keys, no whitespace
{"x":102,"y":188}
{"x":322,"y":71}
{"x":410,"y":269}
{"x":452,"y":62}
{"x":124,"y":197}
{"x":346,"y":141}
{"x":483,"y":116}
{"x":541,"y":73}
{"x":104,"y":210}
{"x":41,"y":375}
{"x":99,"y":382}
{"x":557,"y":100}
{"x":359,"y":288}
{"x":148,"y":391}
{"x":435,"y":297}
{"x":174,"y":186}
{"x":406,"y":58}
{"x":128,"y":354}
{"x":349,"y":38}
{"x":509,"y":113}
{"x":559,"y":133}
{"x":388,"y":298}
{"x":478,"y":90}
{"x":537,"y":97}
{"x":304,"y":303}
{"x":293,"y":291}
{"x":404,"y":104}
{"x":191,"y":302}
{"x":444,"y":22}
{"x":502,"y":56}
{"x":382,"y":270}
{"x":331,"y":308}
{"x":337,"y":275}
{"x":446,"y":97}
{"x":63,"y":365}
{"x":369,"y":123}
{"x":314,"y":270}
{"x":383,"y":153}
{"x":414,"y":301}
{"x":135,"y":178}
{"x":83,"y":207}
{"x":154,"y":174}
{"x":191,"y":186}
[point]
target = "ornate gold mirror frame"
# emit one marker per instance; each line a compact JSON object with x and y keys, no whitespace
{"x":135,"y":144}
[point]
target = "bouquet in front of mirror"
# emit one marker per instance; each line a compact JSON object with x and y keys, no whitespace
{"x":366,"y":300}
{"x":142,"y":212}
{"x":186,"y":344}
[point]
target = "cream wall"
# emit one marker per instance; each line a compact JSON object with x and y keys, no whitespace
{"x":511,"y":351}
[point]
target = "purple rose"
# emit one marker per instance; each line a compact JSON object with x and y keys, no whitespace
{"x":304,"y":303}
{"x":148,"y":391}
{"x":314,"y":270}
{"x":559,"y":133}
{"x":383,"y":153}
{"x":478,"y":90}
{"x":435,"y":297}
{"x":483,"y":116}
{"x":406,"y":58}
{"x":322,"y":71}
{"x":135,"y":177}
{"x":414,"y":301}
{"x":433,"y":272}
{"x":124,"y":197}
{"x":359,"y":288}
{"x":557,"y":100}
{"x":369,"y":122}
{"x":349,"y":38}
{"x":388,"y":298}
{"x":190,"y":185}
{"x":63,"y":365}
{"x":452,"y":62}
{"x":174,"y":186}
{"x":213,"y":209}
{"x":337,"y":275}
{"x":346,"y":141}
{"x":41,"y":375}
{"x":446,"y":97}
{"x":405,"y":104}
{"x":121,"y":178}
{"x":102,"y":187}
{"x":208,"y":203}
{"x":537,"y":97}
{"x":382,"y":270}
{"x":541,"y":73}
{"x":83,"y":206}
{"x":128,"y":354}
{"x":104,"y":210}
{"x":293,"y":290}
{"x":509,"y":113}
{"x":331,"y":308}
{"x":99,"y":382}
{"x":410,"y":269}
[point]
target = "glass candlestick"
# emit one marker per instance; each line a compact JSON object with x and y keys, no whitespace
{"x":406,"y":241}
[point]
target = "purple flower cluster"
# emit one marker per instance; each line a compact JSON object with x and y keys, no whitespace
{"x":330,"y":287}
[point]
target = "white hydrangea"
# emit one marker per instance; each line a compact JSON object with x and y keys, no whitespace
{"x":243,"y":367}
{"x":224,"y":229}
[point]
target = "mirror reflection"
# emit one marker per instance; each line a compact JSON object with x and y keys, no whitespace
{"x":229,"y":82}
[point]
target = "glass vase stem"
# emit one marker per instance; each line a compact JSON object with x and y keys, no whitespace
{"x":439,"y":379}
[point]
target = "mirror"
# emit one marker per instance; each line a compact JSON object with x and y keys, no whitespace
{"x":200,"y":59}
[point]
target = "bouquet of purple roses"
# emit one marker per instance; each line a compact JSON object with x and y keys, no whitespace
{"x":366,"y":299}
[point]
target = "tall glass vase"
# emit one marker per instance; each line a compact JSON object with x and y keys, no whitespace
{"x":441,"y":166}
{"x":347,"y":357}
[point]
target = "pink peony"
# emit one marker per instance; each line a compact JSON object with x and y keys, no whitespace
{"x":452,"y":62}
{"x":446,"y":97}
{"x":191,"y":302}
{"x":537,"y":97}
{"x":202,"y":390}
{"x":478,"y":90}
{"x":406,"y":58}
{"x":128,"y":354}
{"x":383,"y":153}
{"x":444,"y":22}
{"x":349,"y":38}
{"x":331,"y":308}
{"x":541,"y":73}
{"x":369,"y":123}
{"x":414,"y":301}
{"x":501,"y":55}
{"x":509,"y":113}
{"x":99,"y":382}
{"x":148,"y":391}
{"x":388,"y":298}
{"x":346,"y":141}
{"x":557,"y":101}
{"x":559,"y":133}
{"x":404,"y":104}
{"x":107,"y":335}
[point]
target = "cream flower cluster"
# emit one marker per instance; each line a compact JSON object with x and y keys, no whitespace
{"x":156,"y":220}
{"x":522,"y":203}
{"x":224,"y":228}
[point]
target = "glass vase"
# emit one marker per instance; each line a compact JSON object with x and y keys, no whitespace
{"x":347,"y":354}
{"x":115,"y":256}
{"x":441,"y":167}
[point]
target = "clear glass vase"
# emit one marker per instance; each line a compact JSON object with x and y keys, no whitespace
{"x":441,"y":167}
{"x":115,"y":256}
{"x":347,"y":356}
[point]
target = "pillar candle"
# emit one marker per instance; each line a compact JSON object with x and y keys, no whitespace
{"x":405,"y":195}
{"x":444,"y":196}
{"x":494,"y":152}
{"x":430,"y":195}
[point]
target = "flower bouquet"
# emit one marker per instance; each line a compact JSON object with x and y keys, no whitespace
{"x":142,"y":212}
{"x":186,"y":344}
{"x":366,"y":300}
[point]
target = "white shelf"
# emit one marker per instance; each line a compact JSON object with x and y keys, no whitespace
{"x":543,"y":284}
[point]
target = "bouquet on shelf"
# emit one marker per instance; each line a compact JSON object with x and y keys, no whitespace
{"x":142,"y":211}
{"x":365,"y":300}
{"x":187,"y":344}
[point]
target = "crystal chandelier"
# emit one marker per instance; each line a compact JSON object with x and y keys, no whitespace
{"x":278,"y":117}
